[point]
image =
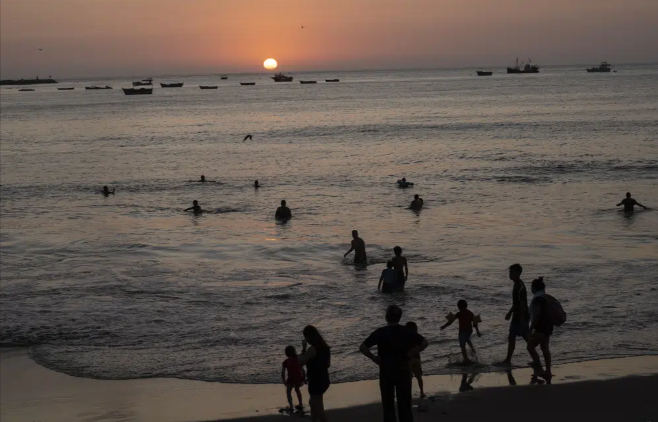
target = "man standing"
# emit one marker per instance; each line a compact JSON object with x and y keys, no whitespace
{"x":359,"y":248}
{"x":519,"y":313}
{"x":630,"y":203}
{"x":395,"y":343}
{"x":283,"y":212}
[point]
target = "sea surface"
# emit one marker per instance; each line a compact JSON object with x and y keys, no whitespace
{"x":512,"y":168}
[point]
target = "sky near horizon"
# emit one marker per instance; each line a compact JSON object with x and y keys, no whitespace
{"x":154,"y":37}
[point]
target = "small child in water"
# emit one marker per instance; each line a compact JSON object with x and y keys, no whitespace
{"x":467,"y":321}
{"x":414,"y":362}
{"x":389,"y":278}
{"x":295,"y":378}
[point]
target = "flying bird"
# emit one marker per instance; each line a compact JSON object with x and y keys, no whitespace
{"x":302,"y":26}
{"x":247,"y":137}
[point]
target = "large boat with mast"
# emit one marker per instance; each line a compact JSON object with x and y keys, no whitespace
{"x":280,"y":77}
{"x":604,"y":67}
{"x":523,"y":67}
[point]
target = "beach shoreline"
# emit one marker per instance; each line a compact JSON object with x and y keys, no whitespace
{"x":30,"y":392}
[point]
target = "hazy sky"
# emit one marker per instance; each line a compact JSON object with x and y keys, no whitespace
{"x":153,"y":37}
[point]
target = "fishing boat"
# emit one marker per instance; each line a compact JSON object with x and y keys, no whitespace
{"x":26,"y":90}
{"x":35,"y":81}
{"x":280,"y":77}
{"x":65,"y":89}
{"x":137,"y":91}
{"x":208,"y":86}
{"x":224,"y":77}
{"x":172,"y":85}
{"x":143,"y":82}
{"x":308,"y":82}
{"x":604,"y":67}
{"x":523,"y":68}
{"x":332,"y":80}
{"x":94,"y":87}
{"x":484,"y":73}
{"x":247,"y":83}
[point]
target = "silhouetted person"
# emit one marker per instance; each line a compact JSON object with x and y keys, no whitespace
{"x":195,"y":208}
{"x":518,"y":313}
{"x":417,"y":203}
{"x":203,"y":179}
{"x":541,"y":325}
{"x":388,"y":280}
{"x":401,"y":268}
{"x":395,"y":343}
{"x":317,"y":360}
{"x":467,"y":322}
{"x":359,"y":248}
{"x":256,"y":185}
{"x":106,"y":191}
{"x":629,"y":203}
{"x":283,"y":212}
{"x":403,"y":183}
{"x":247,"y":137}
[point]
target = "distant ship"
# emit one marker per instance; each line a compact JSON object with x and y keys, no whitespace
{"x":35,"y":81}
{"x":26,"y":89}
{"x":143,"y":82}
{"x":280,"y":77}
{"x":172,"y":85}
{"x":137,"y":91}
{"x":332,"y":80}
{"x":208,"y":86}
{"x":224,"y":77}
{"x":247,"y":83}
{"x":484,"y":73}
{"x":94,"y":87}
{"x":65,"y":89}
{"x":308,"y":82}
{"x":527,"y":68}
{"x":604,"y":67}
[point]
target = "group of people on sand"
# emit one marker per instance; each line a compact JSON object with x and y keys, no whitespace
{"x":399,"y":349}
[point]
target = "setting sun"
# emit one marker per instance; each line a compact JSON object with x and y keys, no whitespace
{"x":270,"y":64}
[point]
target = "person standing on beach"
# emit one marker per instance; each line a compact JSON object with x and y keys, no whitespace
{"x":317,"y":359}
{"x":395,"y":344}
{"x":359,"y":248}
{"x":415,"y":365}
{"x":518,"y":313}
{"x":630,"y":203}
{"x":401,"y":268}
{"x":295,"y":378}
{"x":283,"y":212}
{"x":541,"y":325}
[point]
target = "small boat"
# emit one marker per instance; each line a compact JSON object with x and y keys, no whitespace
{"x":484,"y":73}
{"x":308,"y":82}
{"x":94,"y":87}
{"x":604,"y":67}
{"x":332,"y":80}
{"x":143,"y":82}
{"x":247,"y":83}
{"x":280,"y":77}
{"x":172,"y":85}
{"x":224,"y":77}
{"x":527,"y":68}
{"x":26,"y":90}
{"x":137,"y":91}
{"x":208,"y":86}
{"x":65,"y":89}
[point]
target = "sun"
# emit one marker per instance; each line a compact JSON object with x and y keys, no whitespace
{"x":270,"y":64}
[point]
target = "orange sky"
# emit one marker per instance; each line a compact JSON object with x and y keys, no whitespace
{"x":153,"y":37}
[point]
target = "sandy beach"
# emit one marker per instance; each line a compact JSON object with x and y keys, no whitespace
{"x":604,"y":390}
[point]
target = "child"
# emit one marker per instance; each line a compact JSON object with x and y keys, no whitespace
{"x":295,"y":377}
{"x":414,"y":362}
{"x":389,"y":277}
{"x":466,"y":324}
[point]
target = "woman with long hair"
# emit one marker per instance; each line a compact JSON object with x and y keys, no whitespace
{"x":317,"y":358}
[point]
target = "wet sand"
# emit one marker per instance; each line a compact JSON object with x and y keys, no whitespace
{"x":605,"y":390}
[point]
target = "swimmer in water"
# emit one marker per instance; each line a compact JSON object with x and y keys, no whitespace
{"x":203,"y":180}
{"x":256,"y":185}
{"x":359,"y":248}
{"x":283,"y":212}
{"x":195,"y":208}
{"x":402,"y":183}
{"x":106,"y":191}
{"x":630,"y":203}
{"x":417,"y":203}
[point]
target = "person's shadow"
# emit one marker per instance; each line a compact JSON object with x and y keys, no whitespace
{"x":467,"y":382}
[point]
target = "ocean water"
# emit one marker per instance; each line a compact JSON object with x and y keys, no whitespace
{"x":512,"y":168}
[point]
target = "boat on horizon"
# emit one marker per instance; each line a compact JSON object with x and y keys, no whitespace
{"x":137,"y":91}
{"x":65,"y":89}
{"x":224,"y":77}
{"x":208,"y":86}
{"x":308,"y":82}
{"x":280,"y":77}
{"x":94,"y":87}
{"x":523,"y":68}
{"x":35,"y":81}
{"x":172,"y":85}
{"x":604,"y":67}
{"x":484,"y":73}
{"x":143,"y":82}
{"x":26,"y":89}
{"x":247,"y":83}
{"x":332,"y":80}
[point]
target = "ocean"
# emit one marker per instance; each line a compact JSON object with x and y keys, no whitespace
{"x":512,"y":168}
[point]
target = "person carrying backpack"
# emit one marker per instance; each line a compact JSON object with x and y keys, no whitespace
{"x":542,"y":321}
